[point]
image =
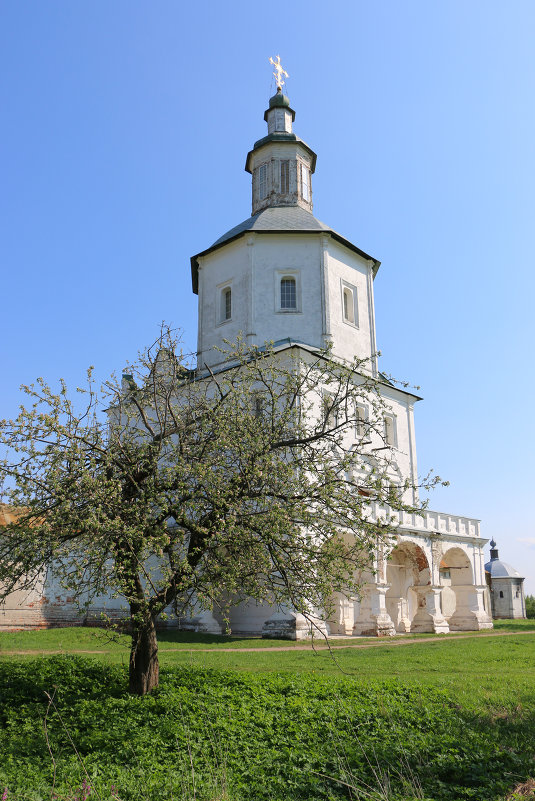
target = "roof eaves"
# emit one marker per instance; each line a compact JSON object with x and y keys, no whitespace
{"x":217,"y":245}
{"x":280,"y":137}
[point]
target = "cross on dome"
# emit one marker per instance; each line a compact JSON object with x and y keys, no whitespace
{"x":278,"y":72}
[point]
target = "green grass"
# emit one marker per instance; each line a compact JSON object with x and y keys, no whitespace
{"x":440,"y":721}
{"x":78,"y":639}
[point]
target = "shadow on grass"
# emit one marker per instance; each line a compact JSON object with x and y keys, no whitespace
{"x":196,"y":638}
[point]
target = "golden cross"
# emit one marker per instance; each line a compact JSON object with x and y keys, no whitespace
{"x":278,"y":72}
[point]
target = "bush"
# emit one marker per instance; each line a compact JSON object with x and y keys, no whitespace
{"x":530,"y":606}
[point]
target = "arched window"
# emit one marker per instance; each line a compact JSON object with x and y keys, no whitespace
{"x":226,"y":304}
{"x":288,"y":293}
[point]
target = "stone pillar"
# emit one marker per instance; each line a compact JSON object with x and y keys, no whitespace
{"x":429,"y":615}
{"x":469,"y":612}
{"x":400,"y":617}
{"x":373,"y":619}
{"x":343,"y":616}
{"x":289,"y":625}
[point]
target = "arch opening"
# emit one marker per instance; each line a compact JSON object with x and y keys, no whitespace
{"x":407,"y":570}
{"x":457,"y":589}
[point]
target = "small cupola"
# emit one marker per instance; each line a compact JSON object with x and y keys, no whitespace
{"x":279,"y":116}
{"x":280,"y":163}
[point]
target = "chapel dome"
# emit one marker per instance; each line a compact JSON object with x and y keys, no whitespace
{"x":279,"y":100}
{"x":497,"y":568}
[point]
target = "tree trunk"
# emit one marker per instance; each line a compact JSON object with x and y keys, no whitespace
{"x":144,"y":667}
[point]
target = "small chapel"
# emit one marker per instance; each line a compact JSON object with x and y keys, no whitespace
{"x":506,"y":587}
{"x":283,"y":276}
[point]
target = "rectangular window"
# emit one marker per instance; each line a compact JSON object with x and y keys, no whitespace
{"x":288,"y":293}
{"x":330,"y":412}
{"x":262,"y":182}
{"x":349,"y":304}
{"x":285,"y":177}
{"x":360,"y":418}
{"x":305,"y":193}
{"x":390,"y":430}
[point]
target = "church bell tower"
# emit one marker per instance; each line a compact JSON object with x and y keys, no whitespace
{"x":281,"y":275}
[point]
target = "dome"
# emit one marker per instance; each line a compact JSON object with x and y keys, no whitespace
{"x":279,"y":100}
{"x":499,"y":569}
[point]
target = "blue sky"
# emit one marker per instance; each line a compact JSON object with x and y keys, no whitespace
{"x":125,"y":127}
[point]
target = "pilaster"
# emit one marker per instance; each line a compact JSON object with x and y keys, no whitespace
{"x":250,"y":312}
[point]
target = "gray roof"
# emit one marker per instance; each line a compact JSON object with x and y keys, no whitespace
{"x":499,"y":569}
{"x":276,"y":220}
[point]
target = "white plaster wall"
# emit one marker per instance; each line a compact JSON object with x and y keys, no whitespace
{"x":349,"y":341}
{"x":509,"y":606}
{"x":228,"y":264}
{"x":249,"y":618}
{"x":49,"y":604}
{"x":404,"y":450}
{"x":298,"y":255}
{"x":254,"y":265}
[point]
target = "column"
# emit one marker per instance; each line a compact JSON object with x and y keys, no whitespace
{"x":373,"y":619}
{"x":429,"y":615}
{"x":470,"y":614}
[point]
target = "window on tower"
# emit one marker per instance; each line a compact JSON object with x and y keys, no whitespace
{"x":349,"y":309}
{"x":390,"y":430}
{"x":262,"y":182}
{"x":360,"y":415}
{"x":304,"y":181}
{"x":225,"y":304}
{"x":288,"y":293}
{"x":349,"y":304}
{"x":285,"y":177}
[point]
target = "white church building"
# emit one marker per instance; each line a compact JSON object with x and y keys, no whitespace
{"x":283,"y":276}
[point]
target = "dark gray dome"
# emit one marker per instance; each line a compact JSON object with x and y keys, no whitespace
{"x":499,"y":569}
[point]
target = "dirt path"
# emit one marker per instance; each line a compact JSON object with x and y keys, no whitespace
{"x":379,"y":643}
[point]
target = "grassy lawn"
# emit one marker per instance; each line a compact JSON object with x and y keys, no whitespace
{"x":436,"y":721}
{"x":79,"y":639}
